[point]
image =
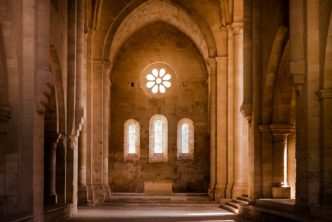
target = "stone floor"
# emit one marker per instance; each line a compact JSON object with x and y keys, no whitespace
{"x":148,"y":209}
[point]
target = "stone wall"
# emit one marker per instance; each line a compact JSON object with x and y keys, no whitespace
{"x":159,"y":43}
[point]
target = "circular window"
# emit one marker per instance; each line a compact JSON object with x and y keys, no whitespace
{"x":158,"y":80}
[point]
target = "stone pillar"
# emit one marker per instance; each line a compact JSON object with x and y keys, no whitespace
{"x":230,"y":113}
{"x":280,"y":133}
{"x":72,"y":152}
{"x":221,"y":119}
{"x":82,"y":159}
{"x":267,"y":160}
{"x":107,"y":66}
{"x":240,"y":183}
{"x":297,"y":62}
{"x":89,"y":111}
{"x":50,"y":174}
{"x":97,"y":149}
{"x":5,"y":115}
{"x":81,"y":103}
{"x":212,"y":112}
{"x":326,"y":101}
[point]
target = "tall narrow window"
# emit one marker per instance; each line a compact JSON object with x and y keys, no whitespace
{"x":131,"y":140}
{"x":158,"y":139}
{"x":158,"y":136}
{"x":185,"y":139}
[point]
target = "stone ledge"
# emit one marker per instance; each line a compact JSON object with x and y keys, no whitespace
{"x":281,"y":192}
{"x":158,"y":186}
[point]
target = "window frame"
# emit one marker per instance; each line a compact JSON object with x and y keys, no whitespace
{"x":158,"y":157}
{"x":131,"y":156}
{"x":191,"y":141}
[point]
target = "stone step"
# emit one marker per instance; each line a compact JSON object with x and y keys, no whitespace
{"x":233,"y":204}
{"x":172,"y":198}
{"x":239,"y":201}
{"x":244,"y":199}
{"x":229,"y":208}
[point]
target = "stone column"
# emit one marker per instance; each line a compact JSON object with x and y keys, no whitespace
{"x":5,"y":115}
{"x":212,"y":112}
{"x":82,"y":186}
{"x":240,"y":183}
{"x":296,"y":62}
{"x":255,"y":161}
{"x":97,"y":147}
{"x":326,"y":101}
{"x":72,"y":152}
{"x":50,"y":168}
{"x":280,"y":133}
{"x":230,"y":114}
{"x":81,"y":104}
{"x":267,"y":160}
{"x":107,"y":66}
{"x":221,"y":119}
{"x":89,"y":111}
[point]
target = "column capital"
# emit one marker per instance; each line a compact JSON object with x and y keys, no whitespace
{"x":324,"y":94}
{"x":212,"y":64}
{"x":246,"y":110}
{"x":264,"y":128}
{"x":237,"y":28}
{"x":281,"y":129}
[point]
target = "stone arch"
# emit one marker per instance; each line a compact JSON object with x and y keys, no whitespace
{"x":152,"y":11}
{"x":269,"y":83}
{"x":282,"y":93}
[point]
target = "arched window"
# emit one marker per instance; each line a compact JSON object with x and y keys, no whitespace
{"x":131,"y":140}
{"x":185,"y":139}
{"x":158,"y":139}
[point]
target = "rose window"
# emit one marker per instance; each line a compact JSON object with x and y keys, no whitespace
{"x":158,"y":80}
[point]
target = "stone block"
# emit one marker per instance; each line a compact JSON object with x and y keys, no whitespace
{"x":158,"y":187}
{"x":281,"y":192}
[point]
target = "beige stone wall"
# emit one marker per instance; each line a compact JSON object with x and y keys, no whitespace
{"x":159,"y":42}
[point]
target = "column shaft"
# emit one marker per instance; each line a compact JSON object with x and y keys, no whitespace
{"x":240,"y":184}
{"x":221,"y":119}
{"x":212,"y":106}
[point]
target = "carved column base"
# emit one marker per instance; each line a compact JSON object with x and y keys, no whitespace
{"x":98,"y":191}
{"x":240,"y":189}
{"x":82,"y":194}
{"x":281,"y":192}
{"x":107,"y":192}
{"x":51,"y":199}
{"x":90,"y":193}
{"x":219,"y":192}
{"x":211,"y":191}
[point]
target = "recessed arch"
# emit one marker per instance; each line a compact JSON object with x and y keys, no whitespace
{"x":154,"y":11}
{"x":278,"y":47}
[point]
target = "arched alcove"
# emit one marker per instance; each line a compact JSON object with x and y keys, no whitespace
{"x":159,"y":42}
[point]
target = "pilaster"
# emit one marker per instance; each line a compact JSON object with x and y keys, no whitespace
{"x":212,"y":118}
